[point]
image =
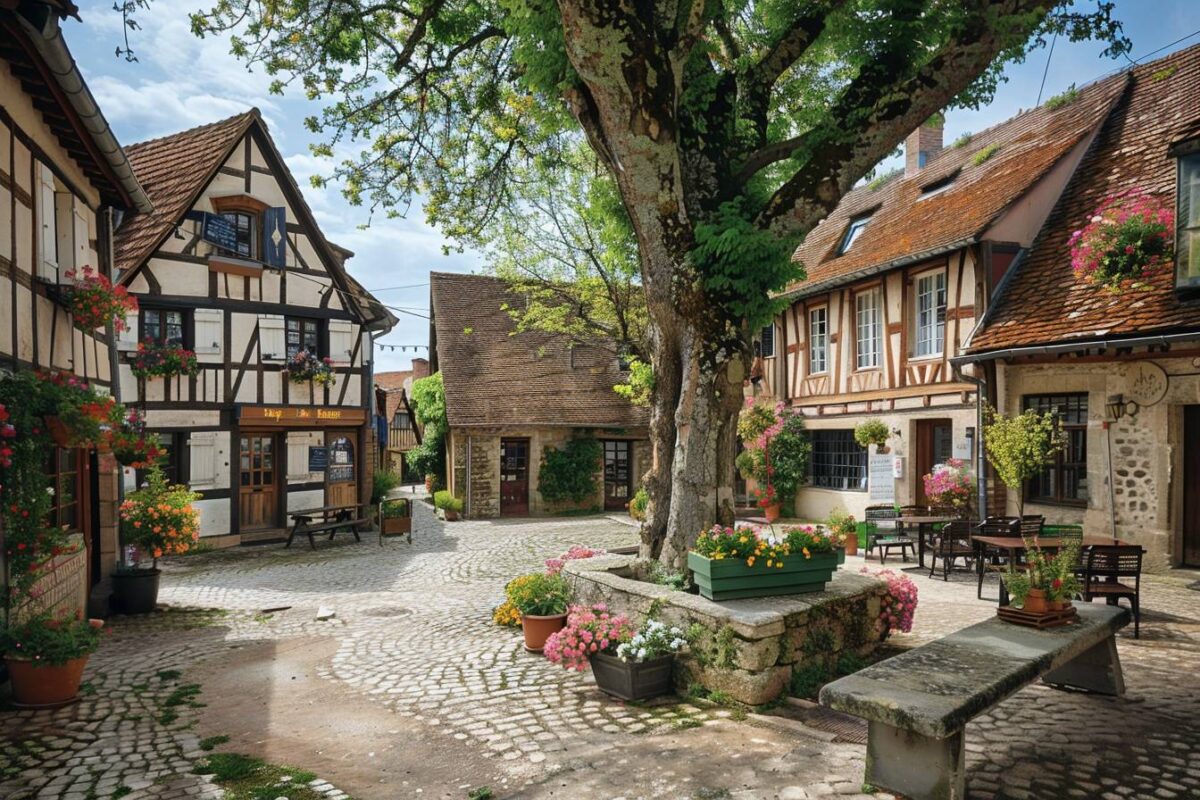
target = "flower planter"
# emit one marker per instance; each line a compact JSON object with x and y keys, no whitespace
{"x":44,"y":685}
{"x":58,"y":431}
{"x":851,"y":546}
{"x":731,"y":579}
{"x":632,"y":681}
{"x":538,"y":629}
{"x":392,"y":526}
{"x":771,"y":512}
{"x":136,"y":592}
{"x":1035,"y":602}
{"x":451,"y":516}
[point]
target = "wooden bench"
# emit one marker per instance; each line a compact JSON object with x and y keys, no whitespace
{"x":330,"y":519}
{"x":917,"y":704}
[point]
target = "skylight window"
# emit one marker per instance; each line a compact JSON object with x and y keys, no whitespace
{"x":938,"y":186}
{"x":853,"y":232}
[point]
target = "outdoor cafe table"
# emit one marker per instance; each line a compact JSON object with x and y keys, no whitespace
{"x":924,"y":525}
{"x":1013,"y":546}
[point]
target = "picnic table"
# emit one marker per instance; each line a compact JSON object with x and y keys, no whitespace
{"x":924,"y":524}
{"x":327,"y":519}
{"x":1012,"y":547}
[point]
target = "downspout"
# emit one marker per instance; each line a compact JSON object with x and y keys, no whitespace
{"x":467,"y":488}
{"x":114,"y":363}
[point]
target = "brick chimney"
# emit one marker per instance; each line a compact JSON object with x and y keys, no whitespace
{"x":922,"y":144}
{"x":420,"y":368}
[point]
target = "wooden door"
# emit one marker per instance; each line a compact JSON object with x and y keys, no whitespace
{"x":618,"y":474}
{"x":341,"y":483}
{"x":258,"y":494}
{"x":935,"y":445}
{"x":514,"y":477}
{"x":1191,"y":486}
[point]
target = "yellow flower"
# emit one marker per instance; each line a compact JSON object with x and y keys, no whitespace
{"x":770,"y":563}
{"x":750,"y":561}
{"x":806,"y":553}
{"x":779,"y":564}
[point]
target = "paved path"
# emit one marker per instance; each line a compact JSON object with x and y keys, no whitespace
{"x":410,"y":691}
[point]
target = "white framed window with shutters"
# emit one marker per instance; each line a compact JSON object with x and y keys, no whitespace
{"x":818,"y":340}
{"x":868,"y":324}
{"x":930,"y":307}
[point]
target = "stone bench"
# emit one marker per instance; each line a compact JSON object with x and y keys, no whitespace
{"x":918,"y":703}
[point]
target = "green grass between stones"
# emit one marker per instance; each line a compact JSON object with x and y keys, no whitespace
{"x":248,"y":778}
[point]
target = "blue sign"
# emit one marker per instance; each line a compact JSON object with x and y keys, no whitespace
{"x":220,"y":231}
{"x":318,"y":459}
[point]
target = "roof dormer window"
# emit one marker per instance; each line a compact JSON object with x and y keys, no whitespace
{"x":1187,"y":223}
{"x":853,"y":231}
{"x":938,"y":186}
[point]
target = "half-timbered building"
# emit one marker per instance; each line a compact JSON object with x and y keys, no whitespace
{"x":64,"y":183}
{"x":511,"y":396}
{"x":232,"y":265}
{"x":394,"y":400}
{"x":1120,"y":368}
{"x":897,"y":277}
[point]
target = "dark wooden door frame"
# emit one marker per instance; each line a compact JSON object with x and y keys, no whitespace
{"x":279,"y":489}
{"x":514,"y":509}
{"x":617,"y":503}
{"x":1189,"y":550}
{"x":923,"y":452}
{"x":351,"y":436}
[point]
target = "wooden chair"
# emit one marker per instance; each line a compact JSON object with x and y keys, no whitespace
{"x":1106,"y":574}
{"x":994,"y":526}
{"x":1032,"y":524}
{"x":953,"y":543}
{"x":884,"y":532}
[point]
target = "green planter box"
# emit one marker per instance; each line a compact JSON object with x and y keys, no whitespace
{"x":731,"y":579}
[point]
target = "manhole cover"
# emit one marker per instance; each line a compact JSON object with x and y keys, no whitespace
{"x":844,"y":727}
{"x":387,"y":611}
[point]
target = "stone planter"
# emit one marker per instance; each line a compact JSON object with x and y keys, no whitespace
{"x":538,"y":629}
{"x":731,"y":579}
{"x":632,"y":681}
{"x":136,"y":592}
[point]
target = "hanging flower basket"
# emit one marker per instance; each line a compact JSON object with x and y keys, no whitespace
{"x":153,"y":360}
{"x":130,"y":444}
{"x":95,"y":301}
{"x":1129,"y":239}
{"x":305,"y":366}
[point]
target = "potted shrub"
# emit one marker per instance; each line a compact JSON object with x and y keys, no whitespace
{"x":844,"y":530}
{"x":542,"y":602}
{"x":158,"y":519}
{"x":397,"y":517}
{"x":448,"y":504}
{"x":951,"y":485}
{"x":1045,"y":583}
{"x":46,"y":656}
{"x":872,"y":432}
{"x":775,"y":454}
{"x":305,"y":366}
{"x":730,"y":563}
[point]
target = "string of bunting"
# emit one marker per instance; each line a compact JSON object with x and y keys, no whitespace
{"x":403,"y":348}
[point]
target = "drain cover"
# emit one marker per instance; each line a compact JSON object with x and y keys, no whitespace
{"x":845,"y":727}
{"x":387,"y":611}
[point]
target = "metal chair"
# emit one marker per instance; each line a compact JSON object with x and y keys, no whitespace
{"x":1105,"y":567}
{"x":953,"y":542}
{"x":883,"y":532}
{"x":994,"y":526}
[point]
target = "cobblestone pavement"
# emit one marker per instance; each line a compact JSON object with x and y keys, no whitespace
{"x":412,"y":636}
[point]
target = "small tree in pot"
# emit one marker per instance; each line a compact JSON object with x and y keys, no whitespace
{"x":158,"y":519}
{"x":1021,"y":447}
{"x":872,"y":432}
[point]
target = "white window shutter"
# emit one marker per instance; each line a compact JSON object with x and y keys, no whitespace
{"x":271,"y":342}
{"x":297,"y":459}
{"x":128,"y":338}
{"x":209,"y":329}
{"x":82,"y":245}
{"x":64,"y":207}
{"x":341,"y":340}
{"x":48,"y":264}
{"x":367,"y":348}
{"x":203,"y":448}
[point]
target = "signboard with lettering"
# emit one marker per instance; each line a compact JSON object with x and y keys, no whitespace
{"x":318,"y":459}
{"x":301,"y":416}
{"x":882,"y":486}
{"x":219,"y":231}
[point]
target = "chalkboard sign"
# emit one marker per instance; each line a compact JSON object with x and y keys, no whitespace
{"x":219,"y":231}
{"x":318,"y":459}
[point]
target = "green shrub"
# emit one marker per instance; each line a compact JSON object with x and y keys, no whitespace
{"x":639,"y":504}
{"x":447,"y":502}
{"x":963,"y":141}
{"x":393,"y":509}
{"x":50,"y":640}
{"x":984,"y":154}
{"x":570,"y":473}
{"x":1065,"y":99}
{"x":539,"y":595}
{"x":383,"y":482}
{"x":871,"y":432}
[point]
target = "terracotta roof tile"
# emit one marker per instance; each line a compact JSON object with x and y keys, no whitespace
{"x":1043,"y":302}
{"x":905,"y":227}
{"x":496,"y":376}
{"x":172,"y":170}
{"x":392,"y":380}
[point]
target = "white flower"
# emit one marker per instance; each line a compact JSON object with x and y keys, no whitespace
{"x":50,"y":491}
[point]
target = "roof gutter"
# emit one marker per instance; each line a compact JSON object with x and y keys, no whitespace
{"x":1164,"y":340}
{"x":49,"y":44}
{"x":808,"y":290}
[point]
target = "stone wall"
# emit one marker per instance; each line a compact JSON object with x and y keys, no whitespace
{"x":746,"y":648}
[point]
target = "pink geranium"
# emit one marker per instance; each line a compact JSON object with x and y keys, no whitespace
{"x":589,"y":629}
{"x":1131,"y":236}
{"x":951,"y":484}
{"x":577,"y":551}
{"x":899,"y":604}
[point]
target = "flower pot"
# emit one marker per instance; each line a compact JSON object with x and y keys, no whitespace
{"x":1035,"y":602}
{"x":731,"y":579}
{"x":851,"y":546}
{"x":136,"y":592}
{"x":37,"y":685}
{"x":1058,"y":605}
{"x":771,"y":512}
{"x":451,"y":516}
{"x":58,"y":431}
{"x":538,"y":629}
{"x":632,"y":681}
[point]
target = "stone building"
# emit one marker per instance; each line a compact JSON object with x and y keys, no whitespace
{"x":1122,"y":369}
{"x":512,"y":395}
{"x":65,"y":184}
{"x":896,"y":278}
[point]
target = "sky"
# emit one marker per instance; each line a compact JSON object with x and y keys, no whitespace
{"x":180,"y":81}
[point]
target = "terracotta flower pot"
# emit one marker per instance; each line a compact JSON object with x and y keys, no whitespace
{"x":851,"y":545}
{"x":771,"y":512}
{"x":538,"y":629}
{"x":44,"y":685}
{"x":1035,"y":602}
{"x":58,"y":431}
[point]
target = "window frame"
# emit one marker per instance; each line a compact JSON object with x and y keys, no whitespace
{"x":812,"y":340}
{"x":176,"y":468}
{"x":1182,"y":231}
{"x":939,"y":319}
{"x":1057,"y":472}
{"x":767,"y":334}
{"x":846,"y":455}
{"x":876,"y":293}
{"x":185,"y":324}
{"x":854,"y":229}
{"x":321,"y":334}
{"x":54,"y":475}
{"x":254,"y":232}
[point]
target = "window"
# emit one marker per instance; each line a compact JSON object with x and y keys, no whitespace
{"x":245,"y":228}
{"x":767,"y":340}
{"x":838,"y":462}
{"x":172,"y":450}
{"x":931,"y":314}
{"x":1187,"y":248}
{"x":854,"y":230}
{"x":869,"y":340}
{"x":162,"y":327}
{"x":303,"y":334}
{"x":938,"y":186}
{"x":62,"y":470}
{"x":1065,"y":481}
{"x":818,"y":340}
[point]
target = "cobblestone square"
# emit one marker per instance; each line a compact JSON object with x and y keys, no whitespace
{"x":409,"y":690}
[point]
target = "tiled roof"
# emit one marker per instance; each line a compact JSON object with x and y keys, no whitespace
{"x":393,"y":402}
{"x":496,"y":376}
{"x":392,"y":380}
{"x":173,"y":170}
{"x":1043,"y":302}
{"x":904,"y":227}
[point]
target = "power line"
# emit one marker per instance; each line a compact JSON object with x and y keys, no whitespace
{"x":1046,"y":71}
{"x":394,"y":288}
{"x":1166,"y":46}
